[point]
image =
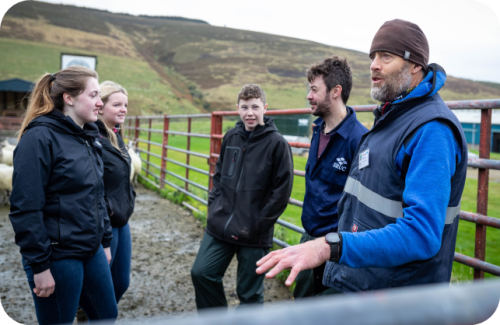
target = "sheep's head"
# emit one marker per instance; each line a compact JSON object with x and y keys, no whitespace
{"x":132,"y":144}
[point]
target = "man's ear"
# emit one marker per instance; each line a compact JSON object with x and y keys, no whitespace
{"x":335,"y":92}
{"x":237,"y":107}
{"x":265,"y":107}
{"x":416,"y":68}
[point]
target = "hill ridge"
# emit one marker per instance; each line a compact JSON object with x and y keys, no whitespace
{"x":203,"y":66}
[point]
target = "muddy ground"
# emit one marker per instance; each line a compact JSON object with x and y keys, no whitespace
{"x":166,"y":239}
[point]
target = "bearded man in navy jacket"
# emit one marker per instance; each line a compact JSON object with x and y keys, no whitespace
{"x":336,"y":136}
{"x":399,"y":210}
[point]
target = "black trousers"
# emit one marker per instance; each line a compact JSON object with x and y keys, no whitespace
{"x":210,"y":265}
{"x":309,"y":282}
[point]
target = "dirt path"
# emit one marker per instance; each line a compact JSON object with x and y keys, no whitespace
{"x":165,"y":241}
{"x":494,"y":174}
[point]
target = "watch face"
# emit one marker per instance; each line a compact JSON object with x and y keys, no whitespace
{"x":333,"y":237}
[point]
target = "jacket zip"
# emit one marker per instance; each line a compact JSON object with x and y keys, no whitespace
{"x":237,"y":185}
{"x":95,"y":201}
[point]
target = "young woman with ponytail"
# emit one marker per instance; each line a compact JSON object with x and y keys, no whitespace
{"x":58,"y":210}
{"x":119,"y":193}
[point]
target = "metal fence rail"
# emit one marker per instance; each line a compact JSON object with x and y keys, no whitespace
{"x":483,"y":163}
{"x":441,"y":304}
{"x":136,"y":128}
{"x":9,"y":126}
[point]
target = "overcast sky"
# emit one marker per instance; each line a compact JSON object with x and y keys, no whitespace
{"x":464,"y":35}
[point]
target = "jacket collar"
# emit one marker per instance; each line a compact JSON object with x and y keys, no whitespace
{"x":345,"y":128}
{"x":61,"y":123}
{"x":259,"y":129}
{"x":432,"y":83}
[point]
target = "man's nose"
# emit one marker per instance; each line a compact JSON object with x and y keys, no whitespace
{"x":376,"y":64}
{"x":310,"y":95}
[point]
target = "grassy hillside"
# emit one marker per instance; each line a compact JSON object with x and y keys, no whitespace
{"x":198,"y":63}
{"x":29,"y":60}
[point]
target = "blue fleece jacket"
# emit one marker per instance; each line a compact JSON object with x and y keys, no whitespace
{"x":434,"y":152}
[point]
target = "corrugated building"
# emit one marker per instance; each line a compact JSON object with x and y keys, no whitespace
{"x":471,"y":123}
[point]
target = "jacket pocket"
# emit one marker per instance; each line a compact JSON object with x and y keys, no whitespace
{"x":244,"y":226}
{"x":216,"y":217}
{"x":231,"y":160}
{"x":358,"y":226}
{"x":334,"y":176}
{"x":51,"y":221}
{"x":63,"y":223}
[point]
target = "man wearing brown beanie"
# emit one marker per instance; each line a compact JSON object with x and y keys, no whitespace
{"x":398,"y":214}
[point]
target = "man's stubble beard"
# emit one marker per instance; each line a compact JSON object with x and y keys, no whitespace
{"x":323,"y":108}
{"x":394,"y":84}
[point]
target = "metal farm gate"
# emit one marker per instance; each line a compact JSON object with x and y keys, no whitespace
{"x":162,"y":127}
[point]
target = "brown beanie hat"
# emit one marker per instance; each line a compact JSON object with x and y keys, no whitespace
{"x":404,"y":39}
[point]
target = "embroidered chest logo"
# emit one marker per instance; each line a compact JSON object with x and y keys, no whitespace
{"x":340,"y":164}
{"x":354,"y":228}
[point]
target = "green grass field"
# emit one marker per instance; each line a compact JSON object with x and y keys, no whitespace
{"x":466,"y":233}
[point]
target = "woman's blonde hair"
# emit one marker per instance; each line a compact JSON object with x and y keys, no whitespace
{"x":109,"y":88}
{"x":47,"y":94}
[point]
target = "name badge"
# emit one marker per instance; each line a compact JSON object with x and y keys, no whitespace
{"x":364,"y":160}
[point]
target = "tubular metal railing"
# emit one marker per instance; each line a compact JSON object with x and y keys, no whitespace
{"x":166,"y":131}
{"x":440,"y":304}
{"x":483,"y":163}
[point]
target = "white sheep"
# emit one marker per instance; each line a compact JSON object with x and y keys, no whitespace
{"x":136,"y":161}
{"x":7,"y":153}
{"x":5,"y":182}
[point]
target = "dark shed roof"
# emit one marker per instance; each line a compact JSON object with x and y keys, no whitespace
{"x":16,"y":84}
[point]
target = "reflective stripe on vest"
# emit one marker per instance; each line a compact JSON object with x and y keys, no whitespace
{"x":387,"y":207}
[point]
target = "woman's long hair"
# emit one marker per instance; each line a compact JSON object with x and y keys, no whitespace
{"x":47,"y":94}
{"x":109,"y":88}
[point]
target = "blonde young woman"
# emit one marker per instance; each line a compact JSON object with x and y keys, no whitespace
{"x":58,"y":210}
{"x":119,"y":193}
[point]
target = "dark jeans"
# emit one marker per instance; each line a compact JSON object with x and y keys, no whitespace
{"x":309,"y":282}
{"x":121,"y":259}
{"x":86,"y":282}
{"x":210,"y":265}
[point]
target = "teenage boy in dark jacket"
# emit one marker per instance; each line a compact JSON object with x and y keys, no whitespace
{"x":252,"y":185}
{"x":333,"y":147}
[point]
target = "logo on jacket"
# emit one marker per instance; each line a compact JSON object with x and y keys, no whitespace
{"x":98,"y":143}
{"x":340,"y":164}
{"x":354,"y":228}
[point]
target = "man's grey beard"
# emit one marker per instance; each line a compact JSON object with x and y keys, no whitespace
{"x":394,"y":84}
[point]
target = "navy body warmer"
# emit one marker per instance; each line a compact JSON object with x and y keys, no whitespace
{"x":373,"y":198}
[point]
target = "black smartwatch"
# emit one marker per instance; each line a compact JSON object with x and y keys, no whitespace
{"x":334,"y":239}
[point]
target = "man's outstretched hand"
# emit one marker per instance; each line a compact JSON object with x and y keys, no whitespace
{"x":300,"y":257}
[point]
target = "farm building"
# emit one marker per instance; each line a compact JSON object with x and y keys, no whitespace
{"x":295,"y":125}
{"x":13,"y":96}
{"x":471,"y":123}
